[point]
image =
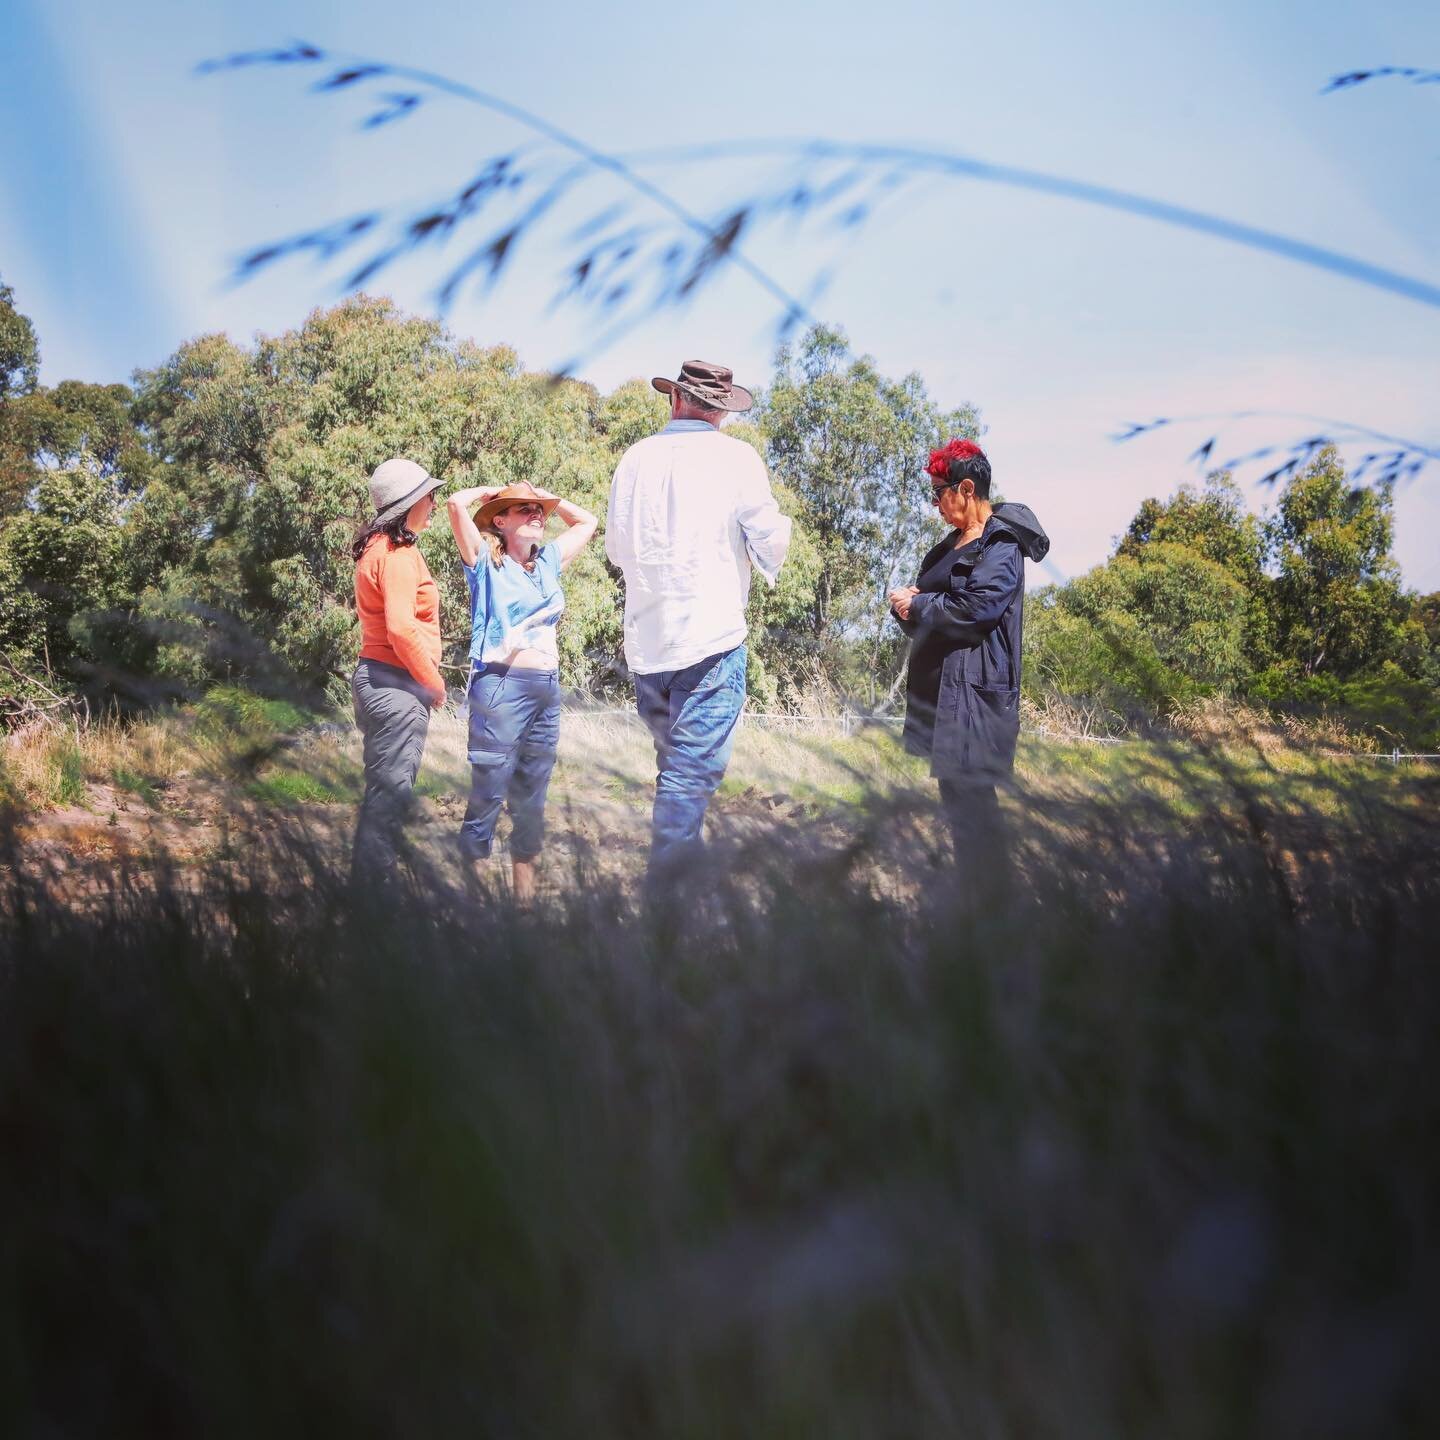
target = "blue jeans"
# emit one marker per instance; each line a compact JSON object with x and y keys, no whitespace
{"x":514,"y":730}
{"x":692,"y":715}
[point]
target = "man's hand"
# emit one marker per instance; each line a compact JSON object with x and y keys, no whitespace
{"x":436,"y":698}
{"x":900,"y":600}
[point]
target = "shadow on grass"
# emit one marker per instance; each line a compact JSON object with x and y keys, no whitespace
{"x":849,"y":1142}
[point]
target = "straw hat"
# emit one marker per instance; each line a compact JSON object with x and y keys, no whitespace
{"x":518,"y":494}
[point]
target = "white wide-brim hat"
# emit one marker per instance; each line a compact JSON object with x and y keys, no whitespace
{"x":396,"y":485}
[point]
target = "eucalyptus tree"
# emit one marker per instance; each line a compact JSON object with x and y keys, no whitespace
{"x":850,"y":443}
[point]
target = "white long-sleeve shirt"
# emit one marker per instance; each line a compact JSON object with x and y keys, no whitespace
{"x":690,"y":510}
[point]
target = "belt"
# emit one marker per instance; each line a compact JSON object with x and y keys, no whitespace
{"x":492,"y":667}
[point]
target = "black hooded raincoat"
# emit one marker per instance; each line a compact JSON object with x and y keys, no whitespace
{"x":962,"y":695}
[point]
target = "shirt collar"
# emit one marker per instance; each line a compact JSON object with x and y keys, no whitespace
{"x":677,"y":427}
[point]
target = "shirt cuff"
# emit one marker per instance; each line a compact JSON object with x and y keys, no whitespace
{"x":771,"y":576}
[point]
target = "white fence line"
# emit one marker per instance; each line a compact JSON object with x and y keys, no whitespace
{"x":846,"y":725}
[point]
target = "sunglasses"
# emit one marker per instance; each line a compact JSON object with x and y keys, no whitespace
{"x":936,"y":491}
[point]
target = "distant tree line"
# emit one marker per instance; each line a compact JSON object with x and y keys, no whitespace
{"x":1301,"y":609}
{"x":193,"y":527}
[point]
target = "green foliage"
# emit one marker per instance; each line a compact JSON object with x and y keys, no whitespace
{"x":22,"y":614}
{"x":19,"y":374}
{"x":1211,"y":520}
{"x":1394,"y":707}
{"x":60,"y":567}
{"x":229,"y":710}
{"x":19,"y":349}
{"x":290,"y":789}
{"x":268,"y":451}
{"x":134,"y":783}
{"x":1177,"y":612}
{"x":1189,"y":612}
{"x":67,"y":766}
{"x":1101,"y":663}
{"x":631,"y":413}
{"x":70,"y":426}
{"x":196,"y":530}
{"x":1301,"y":610}
{"x":850,"y":443}
{"x":1338,"y":600}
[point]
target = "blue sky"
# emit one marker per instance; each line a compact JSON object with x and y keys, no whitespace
{"x":129,"y":186}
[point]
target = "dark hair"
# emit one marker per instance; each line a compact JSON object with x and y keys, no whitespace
{"x":961,"y":460}
{"x":975,"y":468}
{"x":396,"y":528}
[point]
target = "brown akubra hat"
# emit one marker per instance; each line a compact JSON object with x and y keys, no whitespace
{"x":709,"y":384}
{"x":520,"y":493}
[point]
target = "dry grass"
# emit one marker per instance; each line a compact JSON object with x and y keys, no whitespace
{"x":1134,"y":1148}
{"x":1227,"y":722}
{"x":256,"y":752}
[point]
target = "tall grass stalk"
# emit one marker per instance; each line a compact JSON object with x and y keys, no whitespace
{"x":846,"y":1141}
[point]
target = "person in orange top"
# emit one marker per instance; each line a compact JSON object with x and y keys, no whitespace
{"x":397,"y":678}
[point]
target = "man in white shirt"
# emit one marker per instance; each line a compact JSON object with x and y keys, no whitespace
{"x":690,"y":512}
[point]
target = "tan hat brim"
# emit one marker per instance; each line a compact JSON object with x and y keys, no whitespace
{"x":739,"y":398}
{"x":491,"y":508}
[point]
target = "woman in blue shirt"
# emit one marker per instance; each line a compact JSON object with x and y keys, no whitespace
{"x":515,"y":604}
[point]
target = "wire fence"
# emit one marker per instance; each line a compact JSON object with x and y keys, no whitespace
{"x":847,"y":724}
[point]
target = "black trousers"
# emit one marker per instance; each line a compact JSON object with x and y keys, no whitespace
{"x":977,"y":826}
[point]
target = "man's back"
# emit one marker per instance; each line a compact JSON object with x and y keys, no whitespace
{"x":690,"y":509}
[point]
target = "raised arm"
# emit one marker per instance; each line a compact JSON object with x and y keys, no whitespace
{"x":462,"y":524}
{"x":581,"y":527}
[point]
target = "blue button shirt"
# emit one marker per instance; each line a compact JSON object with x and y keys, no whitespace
{"x":512,"y":608}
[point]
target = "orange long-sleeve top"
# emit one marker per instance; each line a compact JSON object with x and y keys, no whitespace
{"x":399,"y":607}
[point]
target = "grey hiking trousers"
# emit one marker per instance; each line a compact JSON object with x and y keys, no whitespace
{"x":394,"y":716}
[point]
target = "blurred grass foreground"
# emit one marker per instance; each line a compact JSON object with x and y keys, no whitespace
{"x":854,"y":1143}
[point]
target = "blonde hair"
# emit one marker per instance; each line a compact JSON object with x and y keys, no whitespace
{"x":494,"y":539}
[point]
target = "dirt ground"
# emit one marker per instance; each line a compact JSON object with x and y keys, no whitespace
{"x":196,"y":824}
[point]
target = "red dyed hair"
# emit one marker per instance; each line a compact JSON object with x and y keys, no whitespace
{"x":939,"y":462}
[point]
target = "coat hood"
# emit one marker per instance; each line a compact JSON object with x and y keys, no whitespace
{"x":1020,"y":522}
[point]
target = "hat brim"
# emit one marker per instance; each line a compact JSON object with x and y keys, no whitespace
{"x":400,"y":507}
{"x":739,"y":398}
{"x":491,"y":508}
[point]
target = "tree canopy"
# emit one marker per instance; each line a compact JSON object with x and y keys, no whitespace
{"x":850,"y":443}
{"x":195,"y":526}
{"x":1302,"y":607}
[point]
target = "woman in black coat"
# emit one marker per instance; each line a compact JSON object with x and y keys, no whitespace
{"x":964,"y":615}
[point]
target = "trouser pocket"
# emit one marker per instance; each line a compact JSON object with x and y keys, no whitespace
{"x":514,"y":729}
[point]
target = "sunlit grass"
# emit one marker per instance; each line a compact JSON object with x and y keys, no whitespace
{"x":272,"y":753}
